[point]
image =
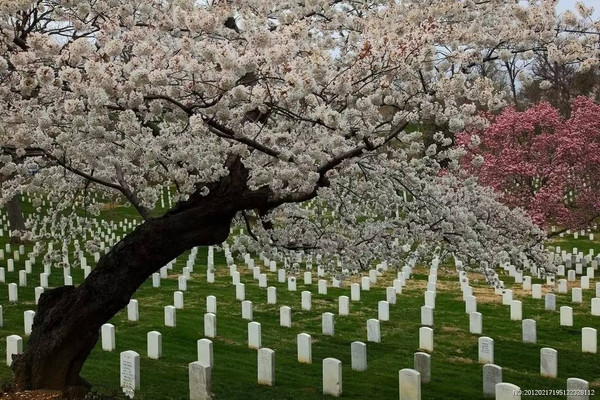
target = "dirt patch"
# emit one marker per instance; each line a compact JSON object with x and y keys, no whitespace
{"x":451,"y":328}
{"x":462,"y":360}
{"x":111,"y":206}
{"x":595,"y":383}
{"x":447,"y":285}
{"x":32,"y":395}
{"x":486,"y":295}
{"x":226,"y":340}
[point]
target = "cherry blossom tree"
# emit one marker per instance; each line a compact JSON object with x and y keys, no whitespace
{"x":289,"y":117}
{"x":542,"y":162}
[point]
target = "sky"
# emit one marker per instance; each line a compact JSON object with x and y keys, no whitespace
{"x":570,"y":5}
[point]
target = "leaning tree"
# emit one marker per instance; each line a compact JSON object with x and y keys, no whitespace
{"x":290,"y":116}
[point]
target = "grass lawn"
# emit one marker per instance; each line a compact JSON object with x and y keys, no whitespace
{"x":456,"y":373}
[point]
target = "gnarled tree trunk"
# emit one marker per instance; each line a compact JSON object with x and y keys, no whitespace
{"x":66,"y":325}
{"x":14,"y":210}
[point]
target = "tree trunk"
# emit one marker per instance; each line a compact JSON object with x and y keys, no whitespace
{"x":67,"y":323}
{"x":15,"y":216}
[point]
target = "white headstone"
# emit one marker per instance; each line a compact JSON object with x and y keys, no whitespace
{"x":156,"y":280}
{"x":170,"y":316}
{"x":566,"y":316}
{"x":365,"y":283}
{"x":590,"y":273}
{"x":358,"y":353}
{"x":133,"y":311}
{"x":247,"y":310}
{"x":373,"y":276}
{"x":44,"y":280}
{"x":426,"y":338}
{"x":306,"y":300}
{"x":200,"y":375}
{"x":470,"y":304}
{"x":576,"y":295}
{"x":210,"y":325}
{"x":492,"y":375}
{"x":308,"y":278}
{"x":266,"y":366}
{"x":577,"y":389}
{"x":383,"y":310}
{"x":37,"y":293}
{"x":182,"y":282}
{"x":430,"y":299}
{"x":548,"y":362}
{"x":475,"y":323}
{"x":390,"y":294}
{"x":28,"y":321}
{"x":550,"y":302}
{"x":304,"y":348}
{"x":13,"y":292}
{"x":486,"y":350}
{"x":328,"y":327}
{"x":397,"y":283}
{"x":426,"y":316}
{"x":240,"y":292}
{"x":355,"y":292}
{"x":211,"y":305}
{"x":14,"y":345}
{"x":516,"y":310}
{"x":262,"y":280}
{"x":507,"y":391}
{"x":235,"y":277}
{"x":154,"y":345}
{"x":322,"y":286}
{"x":409,"y":384}
{"x":205,"y":352}
{"x":596,"y":306}
{"x":178,"y":299}
{"x":467,"y":291}
{"x":343,"y":305}
{"x":589,"y":340}
{"x":332,"y":377}
{"x":292,"y":283}
{"x":529,"y":331}
{"x":536,"y":291}
{"x":108,"y":337}
{"x":423,"y":366}
{"x":271,"y":295}
{"x":130,"y":372}
{"x":285,"y":316}
{"x":254,"y":335}
{"x":373,"y":330}
{"x":22,"y":278}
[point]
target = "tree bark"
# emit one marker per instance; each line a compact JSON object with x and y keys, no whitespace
{"x":15,"y":216}
{"x":67,"y":323}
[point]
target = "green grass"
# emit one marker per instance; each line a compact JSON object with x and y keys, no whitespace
{"x":455,"y":371}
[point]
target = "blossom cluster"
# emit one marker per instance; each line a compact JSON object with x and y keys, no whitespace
{"x":313,"y":97}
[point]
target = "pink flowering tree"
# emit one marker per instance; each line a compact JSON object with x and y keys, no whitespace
{"x":542,"y":162}
{"x":288,"y":117}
